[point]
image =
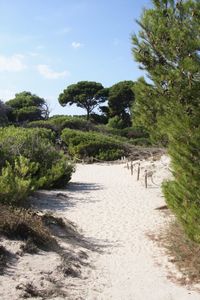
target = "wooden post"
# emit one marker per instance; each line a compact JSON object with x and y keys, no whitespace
{"x":138,"y":172}
{"x":131,"y":168}
{"x":145,"y":178}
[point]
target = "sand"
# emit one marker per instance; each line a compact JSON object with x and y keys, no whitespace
{"x":115,"y":213}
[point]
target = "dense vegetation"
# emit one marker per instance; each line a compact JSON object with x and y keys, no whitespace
{"x":29,"y":160}
{"x":27,"y":107}
{"x":168,"y":105}
{"x":90,"y":144}
{"x":35,"y":149}
{"x":85,"y":94}
{"x":120,"y":99}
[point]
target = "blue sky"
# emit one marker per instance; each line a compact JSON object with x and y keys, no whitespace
{"x":45,"y":45}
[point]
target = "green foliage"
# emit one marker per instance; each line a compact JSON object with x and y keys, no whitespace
{"x":116,"y":123}
{"x":183,"y":192}
{"x":147,"y":108}
{"x":90,"y":144}
{"x":58,"y":175}
{"x":141,"y":142}
{"x":31,"y":143}
{"x":27,"y":107}
{"x":169,"y":53}
{"x":4,"y":111}
{"x":169,"y":107}
{"x":36,"y":148}
{"x":58,"y":123}
{"x":85,"y":94}
{"x":126,"y":135}
{"x":121,"y":97}
{"x":16,"y":181}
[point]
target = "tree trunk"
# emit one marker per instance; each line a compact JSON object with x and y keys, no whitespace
{"x":88,"y":114}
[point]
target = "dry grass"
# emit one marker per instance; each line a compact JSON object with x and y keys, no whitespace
{"x":42,"y":231}
{"x":29,"y":290}
{"x":182,"y":252}
{"x":27,"y":226}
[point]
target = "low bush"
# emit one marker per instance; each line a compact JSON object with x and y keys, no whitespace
{"x":58,"y":175}
{"x":116,"y":123}
{"x":42,"y":124}
{"x":91,"y":144}
{"x":58,"y":123}
{"x":16,"y":181}
{"x":30,"y":161}
{"x":129,"y":132}
{"x":141,"y":142}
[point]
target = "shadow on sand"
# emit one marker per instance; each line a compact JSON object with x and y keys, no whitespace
{"x":73,"y":247}
{"x":62,"y":200}
{"x":83,"y":187}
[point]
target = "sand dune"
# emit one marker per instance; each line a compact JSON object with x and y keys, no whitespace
{"x":115,"y":213}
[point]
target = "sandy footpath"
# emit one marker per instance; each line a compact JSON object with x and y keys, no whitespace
{"x":118,"y":211}
{"x":115,"y":212}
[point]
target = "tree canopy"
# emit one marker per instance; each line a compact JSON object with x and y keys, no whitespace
{"x":4,"y":111}
{"x":121,"y":97}
{"x":85,"y":94}
{"x":169,"y":53}
{"x":27,"y":107}
{"x":167,"y":48}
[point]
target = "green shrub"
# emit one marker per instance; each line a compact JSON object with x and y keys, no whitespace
{"x":42,"y":124}
{"x":183,"y":192}
{"x":15,"y":140}
{"x":116,"y":123}
{"x":110,"y":154}
{"x":91,"y":144}
{"x":35,"y":145}
{"x":16,"y":181}
{"x":58,"y":123}
{"x":141,"y":142}
{"x":58,"y":175}
{"x":129,"y":132}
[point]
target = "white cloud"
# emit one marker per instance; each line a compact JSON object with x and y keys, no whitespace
{"x":77,"y":45}
{"x":46,"y":72}
{"x":12,"y":63}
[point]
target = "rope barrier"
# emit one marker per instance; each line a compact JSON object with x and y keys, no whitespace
{"x":92,"y":159}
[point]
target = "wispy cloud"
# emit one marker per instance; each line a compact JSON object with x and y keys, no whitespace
{"x":48,"y":73}
{"x":12,"y":63}
{"x":77,"y":45}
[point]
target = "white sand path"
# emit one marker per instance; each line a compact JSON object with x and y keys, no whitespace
{"x":116,"y":211}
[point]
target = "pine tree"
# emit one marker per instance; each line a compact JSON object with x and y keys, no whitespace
{"x":167,"y":48}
